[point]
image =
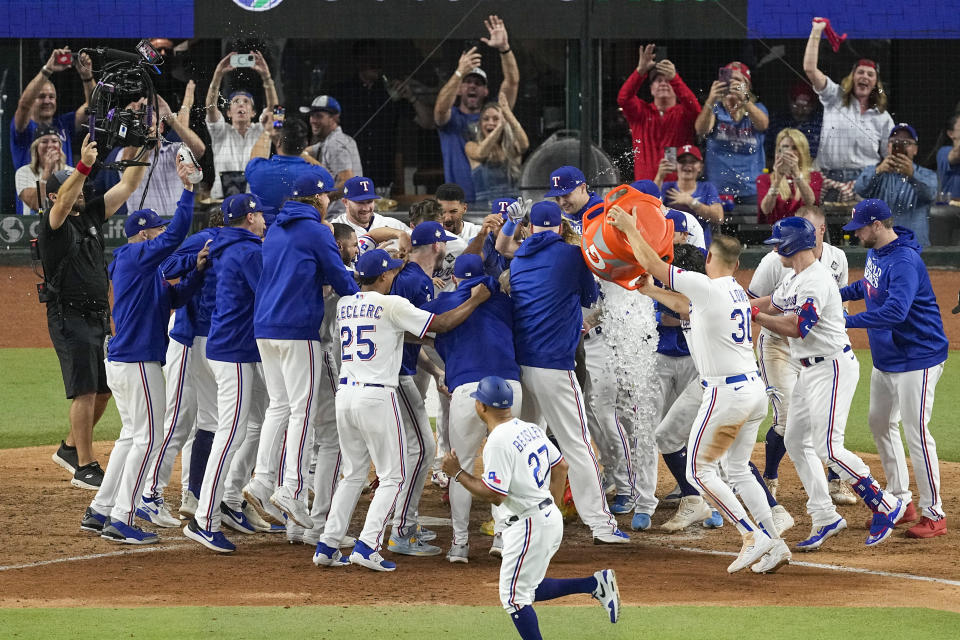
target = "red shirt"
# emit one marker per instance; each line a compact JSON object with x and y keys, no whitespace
{"x":784,"y":208}
{"x":652,"y":133}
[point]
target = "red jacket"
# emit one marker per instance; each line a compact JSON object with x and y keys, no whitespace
{"x":652,"y":133}
{"x":784,"y":208}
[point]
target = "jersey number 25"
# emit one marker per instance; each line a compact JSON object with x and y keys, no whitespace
{"x":365,"y":348}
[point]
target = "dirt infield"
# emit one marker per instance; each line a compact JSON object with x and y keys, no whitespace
{"x":26,"y":321}
{"x":41,"y":515}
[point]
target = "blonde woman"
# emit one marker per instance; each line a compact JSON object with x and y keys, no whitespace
{"x":46,"y":158}
{"x":496,"y":154}
{"x":791,"y":184}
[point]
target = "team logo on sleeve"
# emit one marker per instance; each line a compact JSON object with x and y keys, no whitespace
{"x":807,"y":317}
{"x":492,"y":477}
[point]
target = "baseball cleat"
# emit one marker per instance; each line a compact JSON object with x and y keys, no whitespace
{"x":295,"y":509}
{"x":773,"y":559}
{"x":66,"y":457}
{"x":367,"y":557}
{"x":772,"y":485}
{"x":715,"y":521}
{"x":928,"y":528}
{"x":235,"y":520}
{"x":883,"y":523}
{"x":116,"y":531}
{"x":327,"y":556}
{"x":820,"y":534}
{"x":188,"y":504}
{"x":259,"y":498}
{"x":755,"y":545}
{"x":412,"y":546}
{"x":621,"y":504}
{"x":154,"y":511}
{"x":259,"y":524}
{"x":459,"y":553}
{"x":88,"y":476}
{"x":672,"y":498}
{"x":607,"y":592}
{"x":692,"y":509}
{"x":92,"y":521}
{"x":496,"y":549}
{"x":782,"y":519}
{"x":213,"y":540}
{"x":640,"y":522}
{"x":614,"y":537}
{"x":840,"y":493}
{"x":425,"y":535}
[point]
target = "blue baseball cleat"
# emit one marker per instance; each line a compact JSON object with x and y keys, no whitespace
{"x":116,"y":531}
{"x":364,"y":556}
{"x":715,"y":521}
{"x":640,"y":522}
{"x":883,"y":523}
{"x":213,"y":540}
{"x":820,"y":534}
{"x":621,"y":504}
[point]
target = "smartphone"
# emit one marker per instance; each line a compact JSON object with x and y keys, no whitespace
{"x":65,"y":59}
{"x":149,"y":53}
{"x":278,"y":116}
{"x":670,"y":154}
{"x":661,"y":53}
{"x":900,"y":146}
{"x":725,"y":75}
{"x":242,"y":60}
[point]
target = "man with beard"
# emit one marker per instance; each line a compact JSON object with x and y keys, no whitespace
{"x":457,"y":121}
{"x":330,"y":146}
{"x":358,"y":196}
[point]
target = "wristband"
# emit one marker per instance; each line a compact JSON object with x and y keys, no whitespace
{"x":508,"y":227}
{"x":503,"y":53}
{"x":83,"y":169}
{"x":457,"y":475}
{"x":45,"y":71}
{"x":458,"y":74}
{"x":754,"y":312}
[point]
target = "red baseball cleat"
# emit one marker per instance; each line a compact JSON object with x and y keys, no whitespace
{"x":928,"y":528}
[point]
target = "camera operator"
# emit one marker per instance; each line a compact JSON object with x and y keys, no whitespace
{"x":71,"y":247}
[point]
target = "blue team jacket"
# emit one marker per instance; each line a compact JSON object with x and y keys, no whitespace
{"x":237,"y":254}
{"x":902,"y":317}
{"x":142,"y":299}
{"x":272,"y":178}
{"x":481,"y":346}
{"x":192,"y":319}
{"x":299,"y":257}
{"x":416,"y":286}
{"x":549,"y":283}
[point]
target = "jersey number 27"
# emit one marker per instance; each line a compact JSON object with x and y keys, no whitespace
{"x":534,"y":461}
{"x":365,"y":348}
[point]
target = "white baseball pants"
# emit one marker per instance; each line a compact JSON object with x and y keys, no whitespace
{"x":673,"y":432}
{"x":205,"y":386}
{"x":554,"y":395}
{"x":421,"y":449}
{"x":467,"y":432}
{"x":780,"y":371}
{"x":326,"y":472}
{"x":138,"y":389}
{"x":180,"y":418}
{"x":674,"y":374}
{"x":909,"y":394}
{"x":370,"y":427}
{"x":528,"y":546}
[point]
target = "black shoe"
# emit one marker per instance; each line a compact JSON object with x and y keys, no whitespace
{"x":66,"y":457}
{"x":89,"y":476}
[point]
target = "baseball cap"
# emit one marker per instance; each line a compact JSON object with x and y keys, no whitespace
{"x":323,"y":103}
{"x":494,"y":391}
{"x":45,"y":130}
{"x":679,"y":220}
{"x":239,"y":205}
{"x":648,"y":187}
{"x":359,"y":189}
{"x":143,"y":219}
{"x":311,"y":181}
{"x":376,"y":262}
{"x":429,"y":232}
{"x":477,"y":71}
{"x":546,"y":214}
{"x":564,"y":180}
{"x":55,"y":181}
{"x":499,"y":206}
{"x":866,"y":212}
{"x":690,"y":150}
{"x":468,"y":265}
{"x":903,"y":126}
{"x":742,"y":68}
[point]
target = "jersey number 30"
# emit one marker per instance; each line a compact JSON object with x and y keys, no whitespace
{"x":365,"y":348}
{"x":743,"y":332}
{"x":534,"y":461}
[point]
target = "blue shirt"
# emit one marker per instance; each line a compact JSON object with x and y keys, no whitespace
{"x":272,"y":178}
{"x":949,"y":174}
{"x":705,"y":193}
{"x":671,"y":341}
{"x":909,"y":199}
{"x":493,"y":261}
{"x":416,"y":286}
{"x":902,"y":317}
{"x":483,"y":345}
{"x":453,"y":139}
{"x":576,"y":220}
{"x":192,"y":319}
{"x":735,"y":154}
{"x":237,"y":253}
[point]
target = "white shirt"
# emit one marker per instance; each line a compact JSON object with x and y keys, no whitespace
{"x":813,"y":294}
{"x":231,"y":151}
{"x":165,"y":185}
{"x":26,"y":178}
{"x":469,"y":231}
{"x":445,"y":272}
{"x":371,"y":327}
{"x":720,"y":338}
{"x":517,"y":460}
{"x":376,"y":222}
{"x":850,"y":139}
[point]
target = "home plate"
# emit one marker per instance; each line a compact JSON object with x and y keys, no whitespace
{"x":430,"y":521}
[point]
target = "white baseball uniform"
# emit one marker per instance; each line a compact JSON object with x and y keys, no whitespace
{"x":517,"y":460}
{"x":372,"y":327}
{"x":683,"y":394}
{"x":376,"y":221}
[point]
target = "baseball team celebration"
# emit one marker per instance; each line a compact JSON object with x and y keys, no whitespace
{"x":400,"y":318}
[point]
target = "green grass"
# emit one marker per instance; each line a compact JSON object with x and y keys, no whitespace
{"x":557,"y":623}
{"x":35,"y":411}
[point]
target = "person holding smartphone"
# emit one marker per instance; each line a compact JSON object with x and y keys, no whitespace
{"x":791,"y":184}
{"x":907,"y":188}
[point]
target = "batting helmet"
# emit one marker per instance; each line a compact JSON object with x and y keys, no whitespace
{"x":792,"y":235}
{"x":494,"y":391}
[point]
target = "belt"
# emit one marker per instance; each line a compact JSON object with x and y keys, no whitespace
{"x":716,"y":382}
{"x":596,"y":331}
{"x":546,"y":502}
{"x":354,"y":383}
{"x":808,"y":362}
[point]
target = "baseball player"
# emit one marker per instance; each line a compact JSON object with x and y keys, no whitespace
{"x":569,"y":187}
{"x":453,"y":205}
{"x":372,"y":326}
{"x":481,"y":346}
{"x":300,"y":256}
{"x":909,"y":348}
{"x":524,"y":477}
{"x":778,"y":368}
{"x":234,"y":359}
{"x":135,"y":356}
{"x":809,"y":313}
{"x":549,"y":285}
{"x":359,"y":194}
{"x":734,"y":401}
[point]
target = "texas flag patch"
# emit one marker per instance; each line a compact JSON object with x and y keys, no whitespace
{"x":492,"y":477}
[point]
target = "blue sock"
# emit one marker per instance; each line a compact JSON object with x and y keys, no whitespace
{"x":870,"y":492}
{"x":552,"y":588}
{"x":832,"y":475}
{"x":774,"y":452}
{"x":202,"y":442}
{"x":677,"y":463}
{"x":525,"y":620}
{"x":756,"y":474}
